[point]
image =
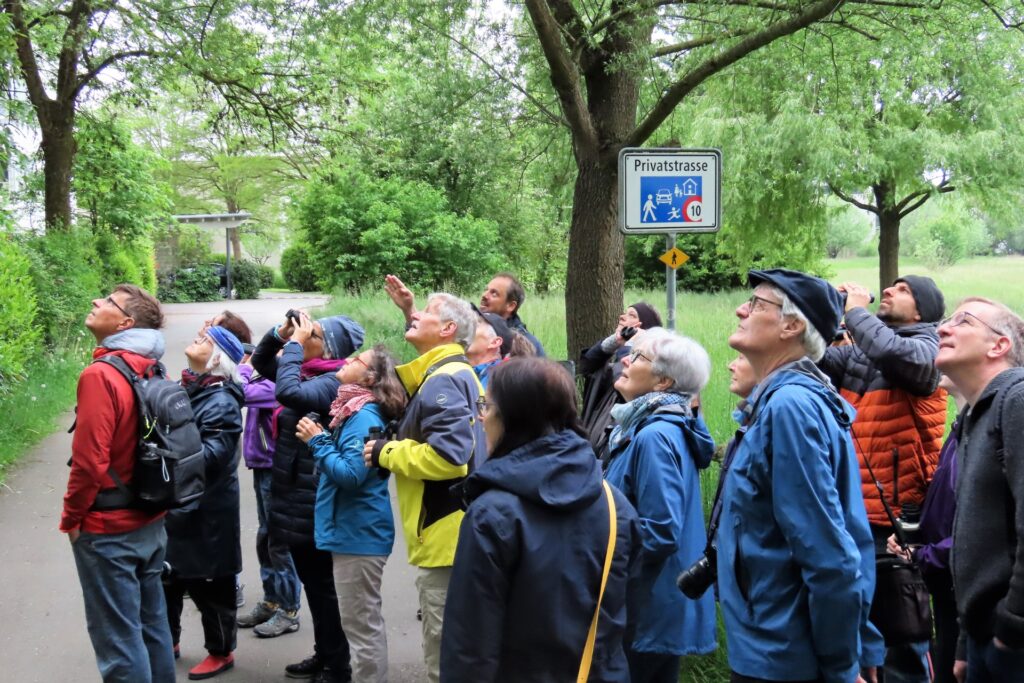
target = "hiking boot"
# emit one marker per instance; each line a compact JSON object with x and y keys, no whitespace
{"x":282,"y":622}
{"x":262,"y":612}
{"x":240,"y":595}
{"x":210,"y":667}
{"x":307,"y":668}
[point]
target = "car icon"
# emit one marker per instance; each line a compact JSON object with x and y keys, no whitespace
{"x":664,"y":196}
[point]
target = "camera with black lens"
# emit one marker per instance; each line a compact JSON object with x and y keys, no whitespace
{"x":294,"y":315}
{"x":696,"y":580}
{"x":628,"y":332}
{"x":313,"y":416}
{"x":374,"y":434}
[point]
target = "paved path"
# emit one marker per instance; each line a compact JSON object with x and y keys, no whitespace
{"x":42,"y":632}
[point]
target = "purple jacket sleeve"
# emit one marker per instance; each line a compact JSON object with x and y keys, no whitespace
{"x":934,"y":556}
{"x":258,"y":393}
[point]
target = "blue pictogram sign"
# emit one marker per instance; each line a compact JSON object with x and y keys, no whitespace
{"x":670,"y":199}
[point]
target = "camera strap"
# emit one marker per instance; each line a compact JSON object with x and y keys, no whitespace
{"x":901,"y":537}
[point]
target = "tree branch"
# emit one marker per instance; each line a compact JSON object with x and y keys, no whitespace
{"x":564,"y":76}
{"x":27,"y":57}
{"x":851,"y":200}
{"x":921,"y":197}
{"x":71,"y":50}
{"x":697,"y":42}
{"x":709,"y":67}
{"x":95,"y":71}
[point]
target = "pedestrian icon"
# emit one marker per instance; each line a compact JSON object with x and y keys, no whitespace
{"x":674,"y":257}
{"x":668,"y":197}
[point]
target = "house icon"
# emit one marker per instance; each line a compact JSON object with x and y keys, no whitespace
{"x":689,"y":187}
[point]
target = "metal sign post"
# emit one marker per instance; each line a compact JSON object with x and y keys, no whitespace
{"x":670,"y":191}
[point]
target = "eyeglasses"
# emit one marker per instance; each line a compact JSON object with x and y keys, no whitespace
{"x":636,"y":354}
{"x":110,"y":300}
{"x":963,"y":317}
{"x":357,"y":359}
{"x":483,"y":404}
{"x":755,"y":299}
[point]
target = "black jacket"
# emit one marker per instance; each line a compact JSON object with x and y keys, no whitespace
{"x":599,"y":370}
{"x":988,"y":529}
{"x":294,"y":480}
{"x":204,"y":539}
{"x":528,"y":567}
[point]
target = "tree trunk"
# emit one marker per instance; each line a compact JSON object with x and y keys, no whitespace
{"x":233,"y":234}
{"x":58,"y":147}
{"x":888,"y":235}
{"x":594,"y":281}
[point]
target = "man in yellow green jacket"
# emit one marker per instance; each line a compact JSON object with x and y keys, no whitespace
{"x":439,"y":442}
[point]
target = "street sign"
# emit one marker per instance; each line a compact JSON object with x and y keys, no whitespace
{"x":674,"y":257}
{"x":669,"y":190}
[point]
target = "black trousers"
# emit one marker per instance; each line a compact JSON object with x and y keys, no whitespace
{"x":740,"y":678}
{"x":316,"y":572}
{"x":946,"y":629}
{"x":215,"y":600}
{"x":652,"y":667}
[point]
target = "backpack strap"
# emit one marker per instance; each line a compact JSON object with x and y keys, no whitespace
{"x":459,"y":358}
{"x":588,"y":649}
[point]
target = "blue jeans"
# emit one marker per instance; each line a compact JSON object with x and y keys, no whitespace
{"x":277,"y":571}
{"x":124,"y":604}
{"x":986,"y":663}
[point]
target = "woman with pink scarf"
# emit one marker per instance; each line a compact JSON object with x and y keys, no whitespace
{"x":353,"y":518}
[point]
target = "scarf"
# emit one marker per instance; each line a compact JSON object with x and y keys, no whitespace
{"x":314,"y":367}
{"x":351,"y":398}
{"x":192,"y":382}
{"x":145,"y":342}
{"x":630,"y":414}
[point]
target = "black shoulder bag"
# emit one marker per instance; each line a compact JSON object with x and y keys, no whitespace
{"x":901,"y":608}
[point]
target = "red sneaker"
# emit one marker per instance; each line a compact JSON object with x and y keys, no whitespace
{"x":210,"y":667}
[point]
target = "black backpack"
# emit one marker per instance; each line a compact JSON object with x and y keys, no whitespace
{"x":169,"y":470}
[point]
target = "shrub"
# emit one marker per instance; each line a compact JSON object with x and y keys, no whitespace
{"x":126,"y":260}
{"x":297,"y":267}
{"x":193,"y":283}
{"x":66,"y":278}
{"x":360,"y":227}
{"x":266,"y":275}
{"x":19,"y":336}
{"x":707,"y":270}
{"x":246,"y":279}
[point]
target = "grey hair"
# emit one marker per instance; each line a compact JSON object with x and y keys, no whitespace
{"x":222,"y":366}
{"x":814,"y":344}
{"x":1010,"y":324}
{"x":678,"y":358}
{"x":451,"y":308}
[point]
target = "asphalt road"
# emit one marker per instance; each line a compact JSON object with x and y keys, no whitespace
{"x":42,"y":622}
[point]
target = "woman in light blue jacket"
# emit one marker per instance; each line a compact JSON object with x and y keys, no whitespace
{"x":656,"y":453}
{"x":353,"y":511}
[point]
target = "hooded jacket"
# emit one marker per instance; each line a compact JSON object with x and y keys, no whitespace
{"x":889,"y":377}
{"x":988,"y":528}
{"x":204,"y":540}
{"x":528,"y":568}
{"x":657,"y":467}
{"x":294,"y":479}
{"x":106,"y":436}
{"x":439,"y":441}
{"x":796,"y":561}
{"x":353,"y":508}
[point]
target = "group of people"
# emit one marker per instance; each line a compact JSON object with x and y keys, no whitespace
{"x":553,"y":540}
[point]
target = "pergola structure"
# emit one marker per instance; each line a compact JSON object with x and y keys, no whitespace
{"x":219,"y":220}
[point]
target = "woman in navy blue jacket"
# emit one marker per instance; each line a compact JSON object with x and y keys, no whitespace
{"x":532,"y":546}
{"x":353,"y":518}
{"x":656,"y":453}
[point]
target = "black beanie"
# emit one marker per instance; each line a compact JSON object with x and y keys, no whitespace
{"x":648,"y":316}
{"x":930,"y":303}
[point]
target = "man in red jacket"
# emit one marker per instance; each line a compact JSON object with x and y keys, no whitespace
{"x":119,"y":553}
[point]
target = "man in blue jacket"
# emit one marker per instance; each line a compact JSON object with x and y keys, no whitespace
{"x":795,"y":554}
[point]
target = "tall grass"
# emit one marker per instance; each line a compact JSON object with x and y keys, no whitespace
{"x":32,"y":405}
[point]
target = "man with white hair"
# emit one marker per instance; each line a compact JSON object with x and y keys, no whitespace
{"x":438,"y":442}
{"x":795,"y":555}
{"x":981,"y":349}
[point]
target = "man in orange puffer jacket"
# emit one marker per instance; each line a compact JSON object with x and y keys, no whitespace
{"x":888,"y":373}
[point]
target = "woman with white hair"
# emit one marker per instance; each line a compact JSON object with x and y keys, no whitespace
{"x":204,"y":550}
{"x":657,"y":450}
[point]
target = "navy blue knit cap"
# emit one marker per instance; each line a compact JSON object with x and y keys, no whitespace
{"x":820,"y":302}
{"x":342,"y":335}
{"x":226,"y":341}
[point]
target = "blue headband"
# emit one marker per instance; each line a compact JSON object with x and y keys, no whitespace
{"x":226,"y":342}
